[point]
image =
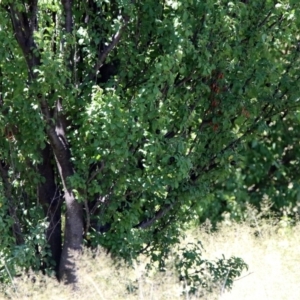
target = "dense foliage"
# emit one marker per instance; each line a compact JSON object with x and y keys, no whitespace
{"x":118,"y":117}
{"x":266,"y":177}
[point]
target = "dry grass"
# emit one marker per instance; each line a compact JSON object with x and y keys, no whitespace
{"x":273,"y":258}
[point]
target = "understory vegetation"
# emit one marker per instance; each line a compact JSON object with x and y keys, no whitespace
{"x":270,"y":250}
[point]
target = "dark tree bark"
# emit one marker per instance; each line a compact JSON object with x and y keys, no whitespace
{"x":50,"y":197}
{"x":73,"y":236}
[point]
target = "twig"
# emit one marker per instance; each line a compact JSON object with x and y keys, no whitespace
{"x":15,"y":289}
{"x":95,"y":286}
{"x":244,"y":276}
{"x":96,"y":172}
{"x":224,"y":283}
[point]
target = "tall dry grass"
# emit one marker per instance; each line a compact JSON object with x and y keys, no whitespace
{"x":272,"y":253}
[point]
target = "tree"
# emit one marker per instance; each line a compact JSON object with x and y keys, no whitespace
{"x":117,"y":116}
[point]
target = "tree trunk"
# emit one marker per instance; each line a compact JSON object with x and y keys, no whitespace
{"x":50,"y":197}
{"x":73,"y":235}
{"x":72,"y":240}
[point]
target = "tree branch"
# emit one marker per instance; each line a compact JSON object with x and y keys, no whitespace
{"x":23,"y":30}
{"x":265,"y":19}
{"x":33,"y":15}
{"x":67,"y":5}
{"x":158,"y":215}
{"x":111,"y":46}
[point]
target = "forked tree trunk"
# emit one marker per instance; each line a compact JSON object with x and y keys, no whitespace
{"x":73,"y":235}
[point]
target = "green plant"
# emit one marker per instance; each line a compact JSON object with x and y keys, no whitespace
{"x":198,"y":273}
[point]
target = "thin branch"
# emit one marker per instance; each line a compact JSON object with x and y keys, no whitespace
{"x":103,"y":199}
{"x":265,"y":19}
{"x":96,"y":172}
{"x":185,"y":79}
{"x":279,"y":20}
{"x":161,"y":213}
{"x":111,"y":46}
{"x":243,"y":276}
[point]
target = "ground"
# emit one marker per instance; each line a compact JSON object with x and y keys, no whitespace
{"x":271,"y":251}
